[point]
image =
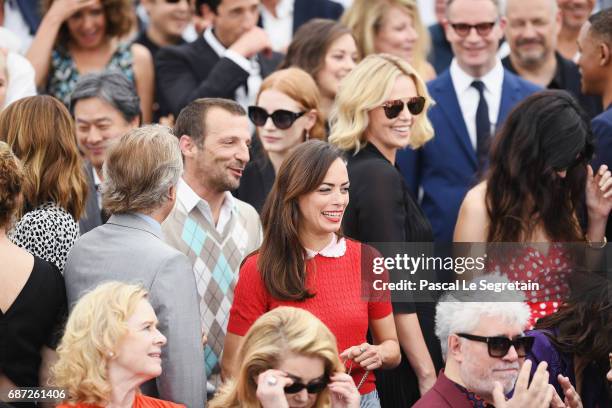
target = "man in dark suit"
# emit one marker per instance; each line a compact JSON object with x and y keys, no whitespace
{"x":531,"y":32}
{"x":595,"y":44}
{"x":441,"y":53}
{"x":281,"y":18}
{"x":228,"y":61}
{"x":105,"y":106}
{"x":22,"y":18}
{"x":472,"y":98}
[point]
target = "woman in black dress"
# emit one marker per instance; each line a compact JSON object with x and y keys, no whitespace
{"x":286,"y":114}
{"x":32,"y":299}
{"x":389,"y":113}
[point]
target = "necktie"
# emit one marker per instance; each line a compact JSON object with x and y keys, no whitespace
{"x":483,"y":126}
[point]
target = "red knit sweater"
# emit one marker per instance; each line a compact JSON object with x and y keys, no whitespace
{"x":336,"y":283}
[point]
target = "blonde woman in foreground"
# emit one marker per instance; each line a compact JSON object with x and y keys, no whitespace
{"x":289,"y":359}
{"x":111,"y":346}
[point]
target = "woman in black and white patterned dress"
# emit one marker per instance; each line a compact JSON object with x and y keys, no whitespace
{"x":40,"y":132}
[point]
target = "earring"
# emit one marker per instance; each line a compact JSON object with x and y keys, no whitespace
{"x":111,"y":354}
{"x":307,"y":136}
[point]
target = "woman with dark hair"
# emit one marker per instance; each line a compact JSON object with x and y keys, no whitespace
{"x":327,"y":51}
{"x":575,"y":342}
{"x":41,"y":133}
{"x":533,"y":194}
{"x":77,"y":37}
{"x":32,"y":295}
{"x":304,"y":262}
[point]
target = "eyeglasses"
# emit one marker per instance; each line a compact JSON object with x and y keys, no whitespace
{"x":393,"y":108}
{"x":282,"y":119}
{"x":463,"y":29}
{"x":499,"y":346}
{"x":314,"y":387}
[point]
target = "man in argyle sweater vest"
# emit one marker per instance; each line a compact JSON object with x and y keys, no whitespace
{"x":214,"y":229}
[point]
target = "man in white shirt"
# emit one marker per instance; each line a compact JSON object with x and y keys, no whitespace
{"x":472,"y":99}
{"x":228,"y":61}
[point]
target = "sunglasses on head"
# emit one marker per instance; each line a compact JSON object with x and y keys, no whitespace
{"x":393,"y":108}
{"x":314,"y":387}
{"x":498,"y":346}
{"x":282,"y":119}
{"x":463,"y":29}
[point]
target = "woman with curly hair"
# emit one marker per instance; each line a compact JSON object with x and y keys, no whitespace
{"x":288,"y":358}
{"x":110,"y":347}
{"x":41,"y":133}
{"x":32,"y":295}
{"x":77,"y":37}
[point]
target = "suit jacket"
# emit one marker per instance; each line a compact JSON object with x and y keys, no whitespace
{"x":92,"y":217}
{"x":194,"y":70}
{"x":446,"y":167}
{"x":30,"y":12}
{"x":127,"y":248}
{"x":602,"y":132}
{"x":441,"y":53}
{"x":444,"y":394}
{"x":305,"y":10}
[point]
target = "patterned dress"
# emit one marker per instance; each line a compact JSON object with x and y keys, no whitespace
{"x":64,"y":74}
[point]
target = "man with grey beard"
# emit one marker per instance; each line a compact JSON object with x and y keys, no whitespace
{"x":531,"y":32}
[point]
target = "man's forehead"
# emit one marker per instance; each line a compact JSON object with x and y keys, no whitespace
{"x":476,"y":10}
{"x":489,"y":325}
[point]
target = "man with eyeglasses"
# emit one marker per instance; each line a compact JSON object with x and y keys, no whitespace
{"x":531,"y":32}
{"x":472,"y":98}
{"x":484,"y":349}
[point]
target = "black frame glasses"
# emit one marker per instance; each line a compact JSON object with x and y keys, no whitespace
{"x":314,"y":387}
{"x":393,"y":108}
{"x":498,"y":346}
{"x":483,"y":29}
{"x":282,"y":119}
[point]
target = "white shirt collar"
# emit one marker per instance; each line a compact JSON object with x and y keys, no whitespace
{"x":212,"y":40}
{"x":284,"y":9}
{"x":335,"y":249}
{"x":492,"y":80}
{"x":190,"y":200}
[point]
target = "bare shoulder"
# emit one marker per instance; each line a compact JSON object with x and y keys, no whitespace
{"x":472,"y":222}
{"x":141,"y":54}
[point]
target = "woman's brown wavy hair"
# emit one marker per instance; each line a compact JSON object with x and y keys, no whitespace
{"x":41,"y":133}
{"x":281,"y":256}
{"x":118,"y":15}
{"x":546,"y":133}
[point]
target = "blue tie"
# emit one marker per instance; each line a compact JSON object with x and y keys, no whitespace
{"x":483,"y":126}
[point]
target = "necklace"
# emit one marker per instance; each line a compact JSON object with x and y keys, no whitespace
{"x":365,"y":375}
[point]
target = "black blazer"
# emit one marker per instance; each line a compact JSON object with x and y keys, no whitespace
{"x":305,"y":10}
{"x":190,"y":71}
{"x":93,"y":216}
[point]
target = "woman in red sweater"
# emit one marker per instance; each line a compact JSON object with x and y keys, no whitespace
{"x":305,"y":262}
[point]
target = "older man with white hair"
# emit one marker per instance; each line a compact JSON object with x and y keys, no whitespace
{"x":485,"y":348}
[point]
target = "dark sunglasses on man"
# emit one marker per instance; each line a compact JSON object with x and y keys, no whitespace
{"x":314,"y":387}
{"x":282,"y":119}
{"x":498,"y":346}
{"x":393,"y":108}
{"x":463,"y":29}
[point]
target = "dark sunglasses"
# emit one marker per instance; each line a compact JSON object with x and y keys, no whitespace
{"x":499,"y":346}
{"x":463,"y":29}
{"x":393,"y":108}
{"x":312,"y":388}
{"x":282,"y":119}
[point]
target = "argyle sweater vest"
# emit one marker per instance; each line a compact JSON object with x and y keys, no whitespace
{"x":216,"y":260}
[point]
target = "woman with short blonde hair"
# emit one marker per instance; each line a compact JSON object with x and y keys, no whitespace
{"x":387,"y":114}
{"x":279,"y":335}
{"x":41,"y":133}
{"x":110,"y":347}
{"x":391,"y":26}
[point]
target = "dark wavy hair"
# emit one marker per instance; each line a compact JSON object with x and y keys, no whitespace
{"x":281,"y":256}
{"x":118,"y":14}
{"x":546,"y":133}
{"x":583,"y":325}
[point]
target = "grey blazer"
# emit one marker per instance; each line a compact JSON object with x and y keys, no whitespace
{"x":128,"y":248}
{"x":92,"y":217}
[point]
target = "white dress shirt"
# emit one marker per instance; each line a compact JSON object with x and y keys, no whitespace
{"x":279,"y":28}
{"x":468,"y":96}
{"x":242,"y":96}
{"x":191,"y":200}
{"x":14,"y":22}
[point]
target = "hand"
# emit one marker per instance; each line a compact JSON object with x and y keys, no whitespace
{"x":63,"y":9}
{"x":426,"y":383}
{"x":253,"y":41}
{"x":343,"y":391}
{"x":598,"y":193}
{"x":366,"y":355}
{"x":271,"y":389}
{"x":167,"y":120}
{"x":572,"y":399}
{"x":538,"y":394}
